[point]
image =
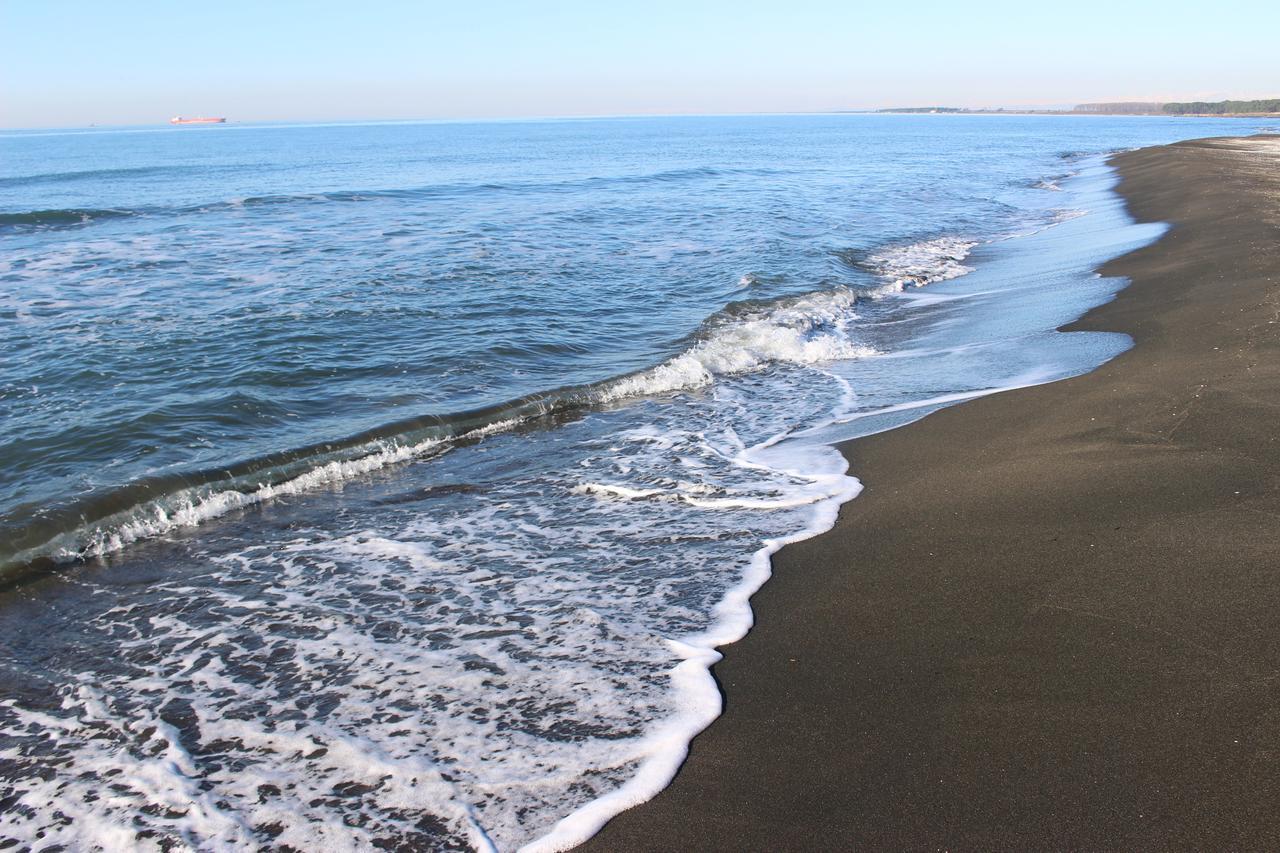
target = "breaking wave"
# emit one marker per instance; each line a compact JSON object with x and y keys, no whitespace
{"x":926,"y":262}
{"x":743,"y":338}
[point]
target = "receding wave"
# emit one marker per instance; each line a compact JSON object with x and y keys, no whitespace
{"x":744,"y":337}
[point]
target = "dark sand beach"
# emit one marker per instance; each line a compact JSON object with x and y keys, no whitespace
{"x":1052,"y":619}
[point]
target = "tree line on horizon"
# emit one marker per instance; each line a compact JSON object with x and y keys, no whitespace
{"x":1266,"y":105}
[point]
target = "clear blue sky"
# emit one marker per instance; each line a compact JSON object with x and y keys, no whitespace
{"x":68,"y":62}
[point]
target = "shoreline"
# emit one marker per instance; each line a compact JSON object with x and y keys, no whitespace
{"x":1051,"y":617}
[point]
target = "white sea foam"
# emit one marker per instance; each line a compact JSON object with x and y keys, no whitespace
{"x":517,"y":680}
{"x":925,"y":262}
{"x":696,"y":696}
{"x":807,"y":330}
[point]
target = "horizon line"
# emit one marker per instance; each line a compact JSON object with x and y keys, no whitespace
{"x":1046,"y":110}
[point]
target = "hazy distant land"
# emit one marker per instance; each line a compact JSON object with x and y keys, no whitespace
{"x":1264,"y":107}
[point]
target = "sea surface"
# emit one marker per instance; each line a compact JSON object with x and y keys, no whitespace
{"x":393,"y":485}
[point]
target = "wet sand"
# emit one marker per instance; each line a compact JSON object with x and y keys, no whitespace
{"x":1052,"y":619}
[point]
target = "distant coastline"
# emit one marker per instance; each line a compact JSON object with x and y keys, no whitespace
{"x":1243,"y":109}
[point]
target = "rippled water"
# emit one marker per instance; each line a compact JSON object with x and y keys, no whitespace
{"x":394,"y":484}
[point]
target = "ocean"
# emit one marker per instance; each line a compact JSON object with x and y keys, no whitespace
{"x":394,"y":485}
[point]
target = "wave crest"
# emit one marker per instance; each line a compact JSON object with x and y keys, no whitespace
{"x":926,"y":262}
{"x":804,"y":330}
{"x":59,"y":217}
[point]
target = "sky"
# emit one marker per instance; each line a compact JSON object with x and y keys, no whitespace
{"x":73,"y":63}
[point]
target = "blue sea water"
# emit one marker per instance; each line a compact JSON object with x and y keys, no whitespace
{"x":394,"y":484}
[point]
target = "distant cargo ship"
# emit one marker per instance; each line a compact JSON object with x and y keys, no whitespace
{"x":201,"y":120}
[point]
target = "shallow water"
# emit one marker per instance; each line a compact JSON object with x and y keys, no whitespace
{"x":394,"y":484}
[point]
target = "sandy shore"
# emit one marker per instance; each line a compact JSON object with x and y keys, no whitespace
{"x":1052,"y":620}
